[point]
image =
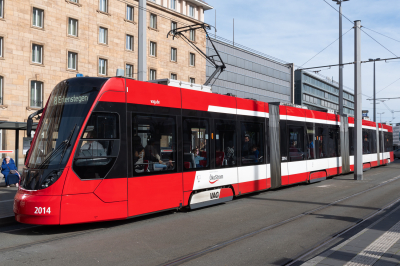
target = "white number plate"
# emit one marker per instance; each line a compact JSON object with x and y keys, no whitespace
{"x":42,"y":210}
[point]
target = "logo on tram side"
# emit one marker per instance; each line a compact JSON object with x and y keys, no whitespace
{"x":214,"y":195}
{"x":155,"y":102}
{"x":215,"y":178}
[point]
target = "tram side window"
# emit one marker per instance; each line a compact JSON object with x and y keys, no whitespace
{"x":154,"y":144}
{"x":373,"y":141}
{"x":196,"y":144}
{"x":225,"y":143}
{"x":296,"y":143}
{"x":252,"y":151}
{"x":334,"y":142}
{"x":351,"y":140}
{"x":310,"y":144}
{"x":321,"y":142}
{"x":98,"y":147}
{"x":366,"y":141}
{"x":388,"y":137}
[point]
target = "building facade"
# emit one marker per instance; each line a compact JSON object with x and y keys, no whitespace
{"x":43,"y":42}
{"x":321,"y":93}
{"x":250,"y":74}
{"x":396,"y":135}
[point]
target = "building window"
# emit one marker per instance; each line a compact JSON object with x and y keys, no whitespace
{"x":129,"y":71}
{"x":129,"y":42}
{"x":103,"y":35}
{"x":102,"y":66}
{"x":75,"y":1}
{"x":1,"y":46}
{"x":174,"y":76}
{"x":174,"y":25}
{"x":1,"y":90}
{"x":153,"y":21}
{"x":173,"y":4}
{"x":103,"y":6}
{"x":37,"y":17}
{"x":192,"y":80}
{"x":192,"y":59}
{"x":153,"y":49}
{"x":1,"y":8}
{"x":72,"y":60}
{"x":152,"y":74}
{"x":129,"y":13}
{"x":173,"y":54}
{"x":192,"y":35}
{"x":73,"y":27}
{"x":36,"y":93}
{"x":37,"y":54}
{"x":191,"y":11}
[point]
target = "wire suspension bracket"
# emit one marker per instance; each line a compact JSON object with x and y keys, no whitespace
{"x":214,"y":60}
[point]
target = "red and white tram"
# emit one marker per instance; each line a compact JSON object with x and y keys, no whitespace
{"x":114,"y":148}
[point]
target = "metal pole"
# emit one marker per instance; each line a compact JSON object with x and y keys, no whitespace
{"x":358,"y":164}
{"x":340,"y":62}
{"x":142,"y":49}
{"x":215,"y":28}
{"x":374,"y":94}
{"x":16,"y":147}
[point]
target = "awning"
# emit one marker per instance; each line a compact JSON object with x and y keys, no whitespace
{"x":7,"y":125}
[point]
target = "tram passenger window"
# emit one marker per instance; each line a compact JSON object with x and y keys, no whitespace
{"x":388,"y":138}
{"x":365,"y":138}
{"x":373,"y":141}
{"x":99,"y":146}
{"x":154,"y":144}
{"x":196,"y":144}
{"x":351,"y":140}
{"x":321,"y":142}
{"x":333,"y":142}
{"x":310,"y":144}
{"x":252,"y":151}
{"x":225,"y":143}
{"x":296,"y":143}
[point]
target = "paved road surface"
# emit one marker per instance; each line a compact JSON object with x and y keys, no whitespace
{"x":247,"y":231}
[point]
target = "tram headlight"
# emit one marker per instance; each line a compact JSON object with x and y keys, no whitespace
{"x":51,"y":178}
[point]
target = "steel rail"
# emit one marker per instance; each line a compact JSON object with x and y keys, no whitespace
{"x":216,"y":247}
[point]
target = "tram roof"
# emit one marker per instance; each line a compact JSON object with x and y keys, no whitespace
{"x":9,"y":125}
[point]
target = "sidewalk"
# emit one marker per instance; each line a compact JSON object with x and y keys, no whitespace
{"x":378,"y":245}
{"x":6,"y":203}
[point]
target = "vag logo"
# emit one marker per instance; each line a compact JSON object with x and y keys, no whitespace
{"x":214,"y":195}
{"x":155,"y":102}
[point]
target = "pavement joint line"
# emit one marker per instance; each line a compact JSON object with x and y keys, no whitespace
{"x":228,"y":242}
{"x":376,"y":249}
{"x":6,"y":200}
{"x":327,"y":253}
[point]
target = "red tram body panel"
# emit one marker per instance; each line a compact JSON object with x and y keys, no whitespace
{"x":109,"y":149}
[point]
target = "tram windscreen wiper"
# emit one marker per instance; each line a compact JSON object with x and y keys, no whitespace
{"x":63,"y":144}
{"x":67,"y":143}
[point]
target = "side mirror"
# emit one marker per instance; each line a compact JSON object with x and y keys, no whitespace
{"x":29,"y":123}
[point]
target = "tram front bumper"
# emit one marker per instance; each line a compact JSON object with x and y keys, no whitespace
{"x":32,"y":209}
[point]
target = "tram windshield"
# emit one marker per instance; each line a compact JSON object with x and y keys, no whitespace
{"x":68,"y":106}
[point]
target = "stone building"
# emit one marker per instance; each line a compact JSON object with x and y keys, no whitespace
{"x":43,"y":42}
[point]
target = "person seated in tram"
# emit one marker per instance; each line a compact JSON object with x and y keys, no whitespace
{"x":255,"y":153}
{"x":151,"y":154}
{"x":138,"y":160}
{"x":230,"y":153}
{"x":9,"y":170}
{"x":197,"y":158}
{"x":93,"y":147}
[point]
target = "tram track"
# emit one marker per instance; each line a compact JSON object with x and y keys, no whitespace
{"x":194,"y":255}
{"x":224,"y":244}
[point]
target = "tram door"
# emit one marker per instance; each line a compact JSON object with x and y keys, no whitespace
{"x":274,"y":143}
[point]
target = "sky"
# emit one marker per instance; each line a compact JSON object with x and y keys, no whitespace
{"x":295,"y":31}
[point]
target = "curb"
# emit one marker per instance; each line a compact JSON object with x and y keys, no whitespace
{"x":7,"y":220}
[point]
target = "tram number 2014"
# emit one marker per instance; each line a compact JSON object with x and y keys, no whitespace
{"x":40,"y":210}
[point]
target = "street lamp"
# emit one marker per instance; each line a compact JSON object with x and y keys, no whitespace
{"x":374,"y":101}
{"x":339,"y":2}
{"x":380,"y":117}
